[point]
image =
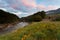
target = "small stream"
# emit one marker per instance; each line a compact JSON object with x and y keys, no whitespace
{"x":14,"y":27}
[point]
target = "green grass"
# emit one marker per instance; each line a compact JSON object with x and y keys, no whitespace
{"x":36,"y":31}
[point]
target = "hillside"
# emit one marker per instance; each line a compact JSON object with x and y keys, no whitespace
{"x":36,"y":17}
{"x":6,"y":17}
{"x":52,"y":12}
{"x":54,"y":15}
{"x":36,"y":31}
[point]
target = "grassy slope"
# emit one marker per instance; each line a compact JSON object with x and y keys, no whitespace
{"x":36,"y":31}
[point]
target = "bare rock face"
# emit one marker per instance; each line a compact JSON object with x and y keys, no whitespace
{"x":7,"y":18}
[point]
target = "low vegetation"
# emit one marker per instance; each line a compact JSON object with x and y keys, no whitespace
{"x":54,"y":17}
{"x":36,"y":31}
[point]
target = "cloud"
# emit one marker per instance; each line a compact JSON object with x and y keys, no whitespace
{"x":46,"y":8}
{"x":21,"y":14}
{"x":3,"y":9}
{"x":28,"y":7}
{"x":29,"y":3}
{"x":25,"y":6}
{"x":41,"y":7}
{"x":3,"y":3}
{"x":17,"y":13}
{"x":52,"y":7}
{"x":22,"y":5}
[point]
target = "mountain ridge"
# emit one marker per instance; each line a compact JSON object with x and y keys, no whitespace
{"x":6,"y":17}
{"x":57,"y":11}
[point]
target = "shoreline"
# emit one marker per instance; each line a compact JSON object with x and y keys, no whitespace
{"x":13,"y":27}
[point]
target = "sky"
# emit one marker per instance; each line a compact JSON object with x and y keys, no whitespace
{"x":27,"y":7}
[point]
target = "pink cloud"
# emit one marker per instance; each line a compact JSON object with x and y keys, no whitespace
{"x":29,"y":3}
{"x":49,"y":7}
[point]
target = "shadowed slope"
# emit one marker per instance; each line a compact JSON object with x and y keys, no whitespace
{"x":6,"y":17}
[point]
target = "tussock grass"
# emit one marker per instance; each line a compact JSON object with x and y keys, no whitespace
{"x":44,"y":30}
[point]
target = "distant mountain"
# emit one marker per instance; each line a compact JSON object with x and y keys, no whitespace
{"x":54,"y":15}
{"x":57,"y":11}
{"x":6,"y":17}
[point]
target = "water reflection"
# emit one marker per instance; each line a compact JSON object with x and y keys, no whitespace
{"x":11,"y":28}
